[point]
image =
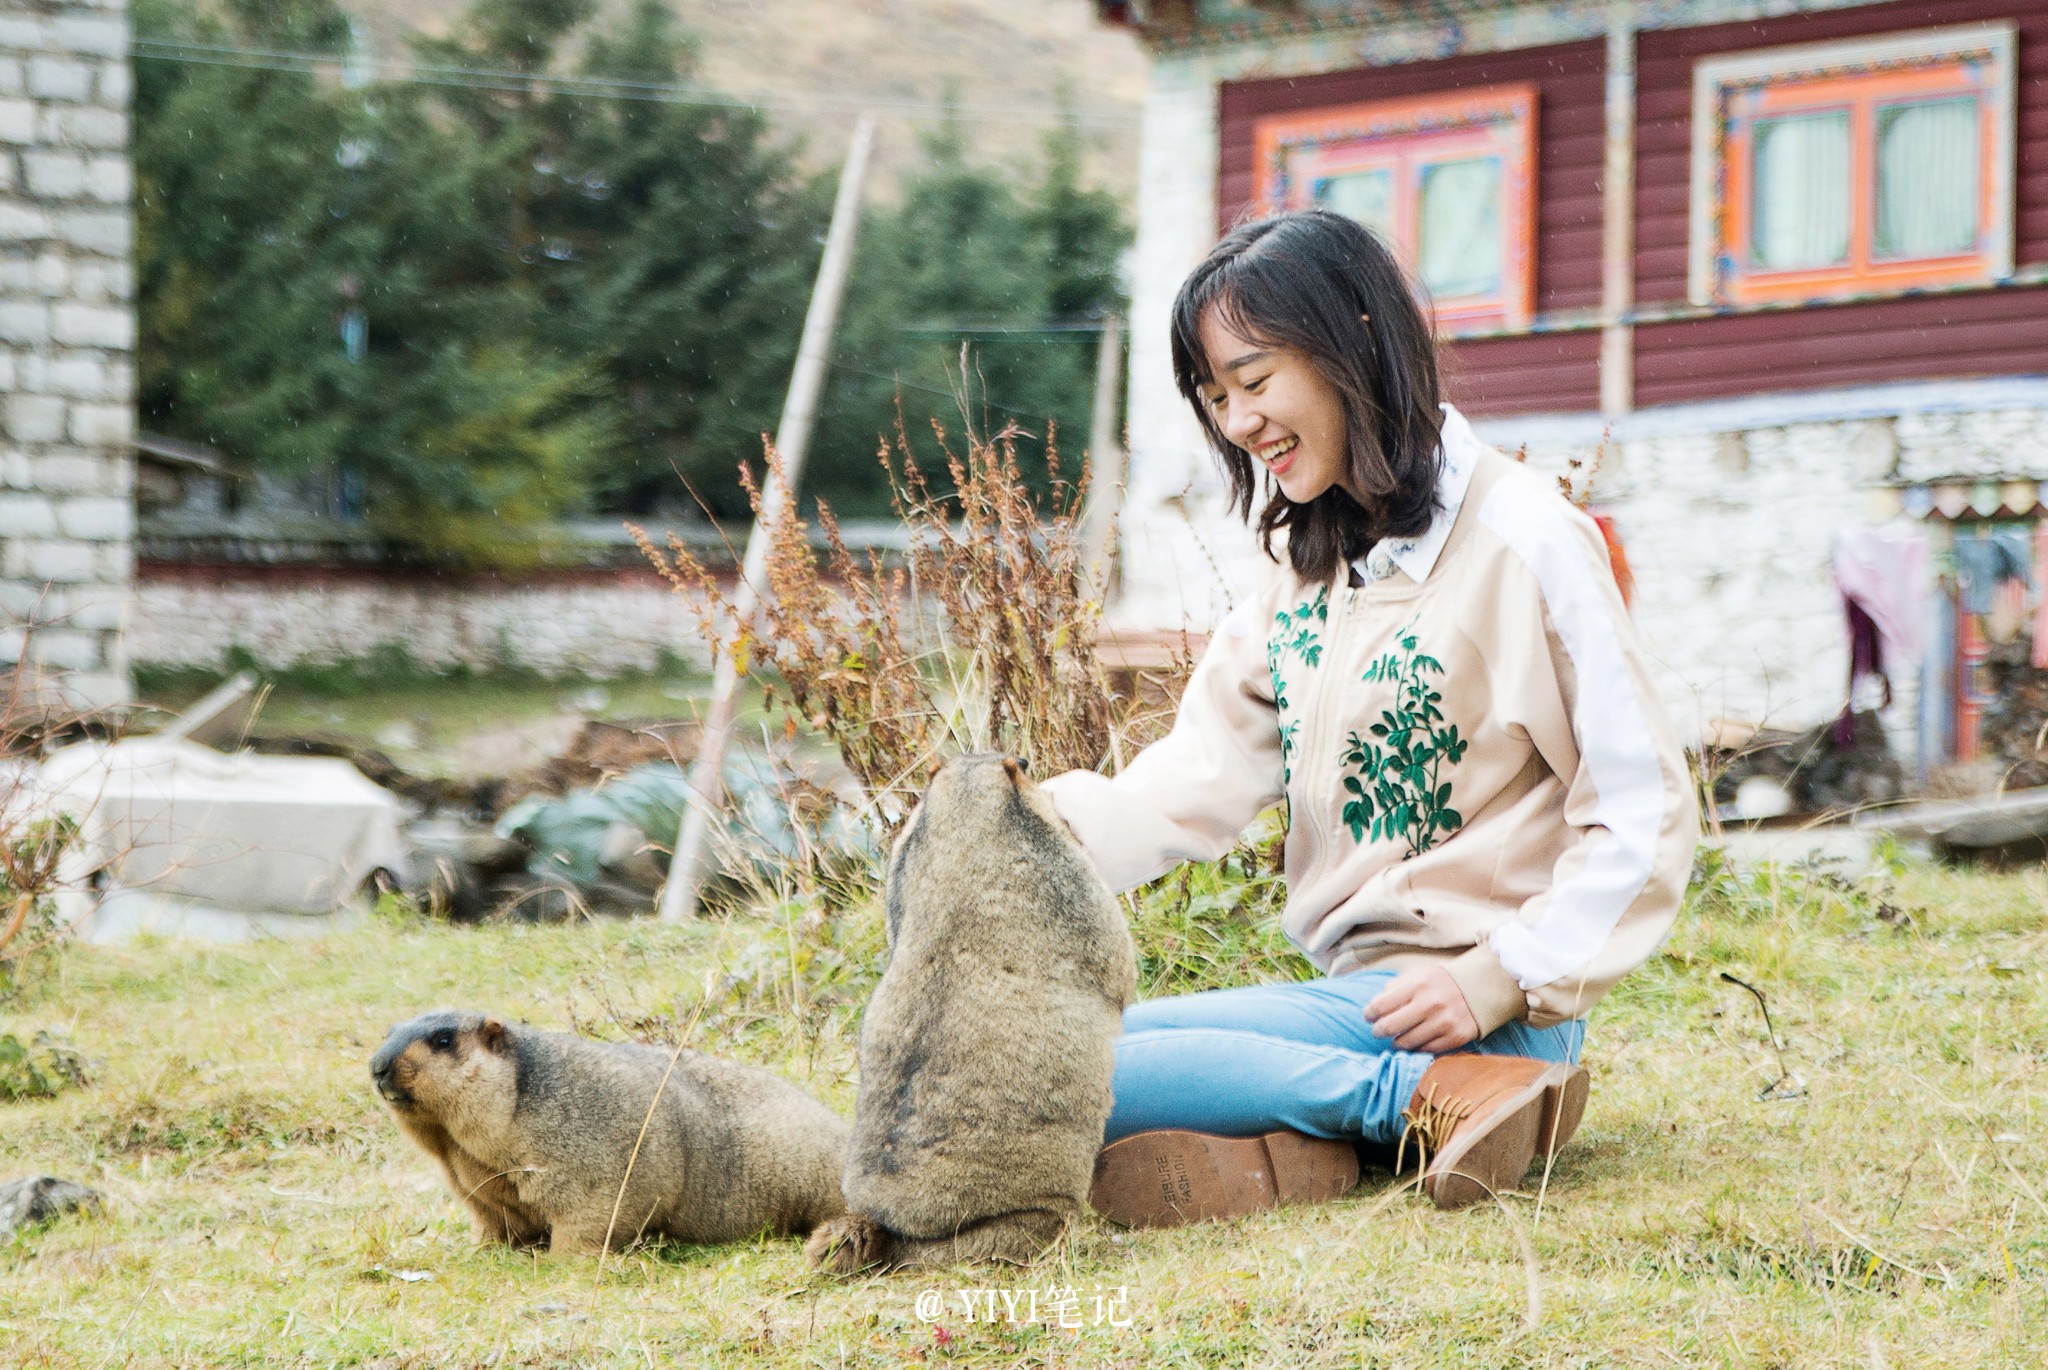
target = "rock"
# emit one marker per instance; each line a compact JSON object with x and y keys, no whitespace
{"x":1816,"y":773}
{"x":39,"y":1199}
{"x":1761,"y":796}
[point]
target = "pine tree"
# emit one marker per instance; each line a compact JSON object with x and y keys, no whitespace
{"x":487,"y":307}
{"x":968,"y":247}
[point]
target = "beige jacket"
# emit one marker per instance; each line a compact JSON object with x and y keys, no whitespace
{"x":1476,"y":767}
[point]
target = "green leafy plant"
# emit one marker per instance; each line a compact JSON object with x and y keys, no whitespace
{"x":1399,"y":790}
{"x":41,"y":1068}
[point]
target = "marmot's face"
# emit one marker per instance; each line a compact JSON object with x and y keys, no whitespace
{"x":427,"y":1064}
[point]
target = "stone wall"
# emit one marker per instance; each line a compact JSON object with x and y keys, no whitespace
{"x":67,"y":340}
{"x":571,"y":625}
{"x":1729,"y":534}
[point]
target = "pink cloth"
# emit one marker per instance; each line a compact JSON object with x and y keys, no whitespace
{"x":1883,"y":570}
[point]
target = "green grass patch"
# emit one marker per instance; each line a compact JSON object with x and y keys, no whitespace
{"x":1887,"y":1207}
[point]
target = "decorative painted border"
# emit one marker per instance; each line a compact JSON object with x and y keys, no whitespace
{"x":1501,"y":120}
{"x":1716,"y":79}
{"x":1391,"y":32}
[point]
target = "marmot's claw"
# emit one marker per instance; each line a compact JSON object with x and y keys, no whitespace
{"x":846,"y":1245}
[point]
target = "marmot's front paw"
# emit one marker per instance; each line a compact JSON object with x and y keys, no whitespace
{"x":847,"y":1244}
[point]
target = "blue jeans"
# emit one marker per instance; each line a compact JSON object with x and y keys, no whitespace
{"x":1244,"y":1061}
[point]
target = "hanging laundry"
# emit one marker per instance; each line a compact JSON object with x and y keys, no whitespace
{"x":1937,"y":681}
{"x":1617,"y":559}
{"x":2040,"y":657}
{"x":1866,"y":664}
{"x":1988,"y":560}
{"x":1884,"y":569}
{"x":2008,"y":614}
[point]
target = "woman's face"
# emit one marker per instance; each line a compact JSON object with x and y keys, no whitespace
{"x":1271,"y":401}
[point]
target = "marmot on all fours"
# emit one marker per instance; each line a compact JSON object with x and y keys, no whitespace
{"x":533,"y":1131}
{"x":987,"y":1049}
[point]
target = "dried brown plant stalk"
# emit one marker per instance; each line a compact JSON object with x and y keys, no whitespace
{"x":1010,"y":577}
{"x":34,"y":837}
{"x":982,"y":637}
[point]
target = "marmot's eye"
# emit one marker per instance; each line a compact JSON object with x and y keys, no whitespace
{"x":444,"y":1040}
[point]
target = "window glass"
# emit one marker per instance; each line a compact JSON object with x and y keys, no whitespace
{"x":1801,"y":188}
{"x":1927,"y":178}
{"x":1367,"y":196}
{"x":1447,"y":181}
{"x":1854,"y":169}
{"x":1458,"y":233}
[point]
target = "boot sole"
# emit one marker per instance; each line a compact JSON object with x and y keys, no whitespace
{"x":1169,"y":1177}
{"x":1564,"y":1104}
{"x":1532,"y":1126}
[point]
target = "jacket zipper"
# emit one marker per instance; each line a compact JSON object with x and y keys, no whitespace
{"x":1326,"y":685}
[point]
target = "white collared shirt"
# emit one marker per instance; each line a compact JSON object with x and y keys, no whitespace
{"x":1417,"y":555}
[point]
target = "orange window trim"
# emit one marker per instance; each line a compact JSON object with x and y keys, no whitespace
{"x":1860,"y":95}
{"x":1403,"y":137}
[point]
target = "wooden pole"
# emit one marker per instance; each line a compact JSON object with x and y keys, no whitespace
{"x":706,"y":792}
{"x":1105,"y":457}
{"x":1618,"y":217}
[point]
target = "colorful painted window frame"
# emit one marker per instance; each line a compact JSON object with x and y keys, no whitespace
{"x":1293,"y":153}
{"x":1854,"y":80}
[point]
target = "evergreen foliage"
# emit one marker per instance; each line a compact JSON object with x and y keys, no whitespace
{"x":466,"y":313}
{"x":970,"y":246}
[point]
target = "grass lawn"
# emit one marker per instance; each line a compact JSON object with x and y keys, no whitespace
{"x":1893,"y":1211}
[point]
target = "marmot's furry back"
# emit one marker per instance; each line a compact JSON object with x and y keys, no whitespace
{"x":987,"y":1049}
{"x":533,"y":1131}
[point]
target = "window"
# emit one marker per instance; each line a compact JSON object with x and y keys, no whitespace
{"x":1842,"y":169}
{"x":1444,"y":181}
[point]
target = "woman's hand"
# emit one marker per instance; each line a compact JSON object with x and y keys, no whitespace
{"x":1423,"y":1010}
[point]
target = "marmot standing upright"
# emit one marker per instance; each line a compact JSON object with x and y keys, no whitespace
{"x":534,"y":1130}
{"x":987,"y":1049}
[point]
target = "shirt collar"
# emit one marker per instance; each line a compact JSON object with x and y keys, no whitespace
{"x":1417,"y":556}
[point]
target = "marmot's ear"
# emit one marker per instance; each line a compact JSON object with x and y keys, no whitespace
{"x":1016,"y":771}
{"x":492,"y":1034}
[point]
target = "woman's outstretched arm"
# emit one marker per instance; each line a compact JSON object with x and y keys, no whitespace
{"x":1187,"y":796}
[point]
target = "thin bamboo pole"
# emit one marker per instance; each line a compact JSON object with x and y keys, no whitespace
{"x":1105,"y":458}
{"x":706,"y":790}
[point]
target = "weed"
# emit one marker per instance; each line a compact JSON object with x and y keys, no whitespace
{"x":42,"y":1068}
{"x":982,"y":638}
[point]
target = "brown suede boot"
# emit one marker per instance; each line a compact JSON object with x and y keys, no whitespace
{"x":1169,"y":1177}
{"x":1479,"y":1122}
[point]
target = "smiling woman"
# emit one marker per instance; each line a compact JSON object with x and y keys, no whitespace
{"x":1489,"y":819}
{"x":1302,"y":327}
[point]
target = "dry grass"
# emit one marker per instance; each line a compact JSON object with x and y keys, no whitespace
{"x":982,"y":638}
{"x":1895,"y":1213}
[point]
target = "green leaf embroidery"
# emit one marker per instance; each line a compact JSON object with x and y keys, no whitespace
{"x":1294,"y":634}
{"x":1398,"y":787}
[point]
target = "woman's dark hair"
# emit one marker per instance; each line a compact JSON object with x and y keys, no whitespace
{"x":1321,"y":284}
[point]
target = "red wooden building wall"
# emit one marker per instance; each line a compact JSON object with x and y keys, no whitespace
{"x":1998,"y":331}
{"x":1538,"y":371}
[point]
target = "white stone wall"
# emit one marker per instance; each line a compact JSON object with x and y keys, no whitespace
{"x":1178,"y":557}
{"x":1729,"y":535}
{"x":584,"y":627}
{"x":67,"y":340}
